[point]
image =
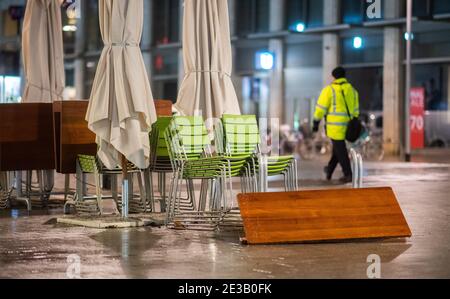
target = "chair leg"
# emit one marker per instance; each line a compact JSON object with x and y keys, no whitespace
{"x":168,"y":199}
{"x":231,"y":190}
{"x":171,"y":196}
{"x":28,"y":182}
{"x":297,"y":187}
{"x":98,"y":191}
{"x":191,"y":192}
{"x":242,"y":184}
{"x":142,"y":190}
{"x":46,"y":180}
{"x":163,"y":185}
{"x":203,"y":194}
{"x":286,"y":182}
{"x":79,"y":182}
{"x":66,"y":186}
{"x":149,"y":196}
{"x":213,"y":196}
{"x":115,"y":189}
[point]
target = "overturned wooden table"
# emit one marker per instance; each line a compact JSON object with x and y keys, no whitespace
{"x":322,"y":215}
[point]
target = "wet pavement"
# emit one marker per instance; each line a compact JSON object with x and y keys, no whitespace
{"x":33,"y":246}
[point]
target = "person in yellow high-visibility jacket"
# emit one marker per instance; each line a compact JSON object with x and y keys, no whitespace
{"x":338,"y":103}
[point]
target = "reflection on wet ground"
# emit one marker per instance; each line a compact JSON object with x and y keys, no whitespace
{"x":33,"y":246}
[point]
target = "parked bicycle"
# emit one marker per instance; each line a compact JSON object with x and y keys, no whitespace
{"x":304,"y":142}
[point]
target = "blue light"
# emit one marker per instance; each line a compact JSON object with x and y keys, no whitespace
{"x":264,"y":60}
{"x":357,"y":42}
{"x":299,"y":27}
{"x":407,"y":36}
{"x":14,"y":214}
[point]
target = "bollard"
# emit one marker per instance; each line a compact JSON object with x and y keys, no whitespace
{"x":357,"y":167}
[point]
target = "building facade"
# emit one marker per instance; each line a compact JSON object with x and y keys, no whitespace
{"x":306,"y":39}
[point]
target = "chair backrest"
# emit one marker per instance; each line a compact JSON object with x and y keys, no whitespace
{"x":88,"y":164}
{"x":157,"y":140}
{"x":187,"y":137}
{"x":241,"y":134}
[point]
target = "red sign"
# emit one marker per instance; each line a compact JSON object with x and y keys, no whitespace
{"x":159,"y":62}
{"x":417,"y":118}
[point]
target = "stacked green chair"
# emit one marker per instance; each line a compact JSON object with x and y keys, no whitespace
{"x":241,"y":137}
{"x":91,"y":205}
{"x":190,"y":153}
{"x":4,"y":199}
{"x":86,"y":205}
{"x":243,"y":148}
{"x":5,"y":191}
{"x":159,"y":161}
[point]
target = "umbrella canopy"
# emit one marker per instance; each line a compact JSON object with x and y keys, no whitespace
{"x":43,"y":52}
{"x":121,"y":109}
{"x":207,"y":85}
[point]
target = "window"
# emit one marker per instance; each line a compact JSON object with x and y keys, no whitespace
{"x":355,"y":11}
{"x":441,"y":6}
{"x":252,"y":16}
{"x":352,"y":11}
{"x":368,"y":81}
{"x":431,"y":77}
{"x":10,"y":65}
{"x":93,"y":37}
{"x":69,"y":36}
{"x":296,"y":12}
{"x":304,"y":55}
{"x":165,"y":62}
{"x":304,"y":11}
{"x":165,"y":90}
{"x":431,"y":40}
{"x":422,"y":8}
{"x":370,"y":49}
{"x":245,"y":61}
{"x":315,"y":13}
{"x":90,"y":70}
{"x":10,"y":89}
{"x":166,"y":21}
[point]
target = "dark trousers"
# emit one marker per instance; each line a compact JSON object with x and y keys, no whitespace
{"x":340,"y":156}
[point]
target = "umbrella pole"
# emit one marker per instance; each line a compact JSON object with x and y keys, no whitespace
{"x":125,"y":191}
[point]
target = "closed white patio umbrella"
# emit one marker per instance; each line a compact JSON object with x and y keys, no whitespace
{"x":43,"y":61}
{"x":43,"y":52}
{"x":207,"y":86}
{"x":121,"y":109}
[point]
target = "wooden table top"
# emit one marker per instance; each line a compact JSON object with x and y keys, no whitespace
{"x":322,"y":215}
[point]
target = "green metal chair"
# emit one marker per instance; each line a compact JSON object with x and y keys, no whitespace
{"x":84,"y":204}
{"x":5,"y":191}
{"x":159,"y":161}
{"x":91,"y":205}
{"x":241,"y":136}
{"x":190,"y":153}
{"x":242,"y":149}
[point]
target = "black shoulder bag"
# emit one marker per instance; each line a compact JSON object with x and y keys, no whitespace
{"x":355,"y":127}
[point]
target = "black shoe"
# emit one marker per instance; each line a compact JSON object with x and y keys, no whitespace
{"x":346,"y":179}
{"x":327,"y":173}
